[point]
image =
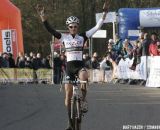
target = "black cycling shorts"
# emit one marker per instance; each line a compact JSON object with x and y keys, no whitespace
{"x":73,"y":68}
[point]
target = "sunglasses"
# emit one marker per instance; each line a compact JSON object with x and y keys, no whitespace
{"x":73,"y":27}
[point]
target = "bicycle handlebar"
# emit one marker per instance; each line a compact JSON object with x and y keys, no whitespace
{"x":74,"y":82}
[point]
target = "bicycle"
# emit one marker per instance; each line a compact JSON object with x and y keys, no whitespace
{"x":76,"y":100}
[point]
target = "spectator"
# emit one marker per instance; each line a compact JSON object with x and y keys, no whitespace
{"x":104,"y":67}
{"x":127,"y":49}
{"x":110,"y":45}
{"x":46,"y":62}
{"x":39,"y":60}
{"x":158,"y":48}
{"x":5,"y":62}
{"x":57,"y":68}
{"x":94,"y":61}
{"x":28,"y":63}
{"x":20,"y":54}
{"x":11,"y":61}
{"x":153,"y":49}
{"x":1,"y":59}
{"x":141,"y":37}
{"x":112,"y":49}
{"x":86,"y":61}
{"x":31,"y":55}
{"x":145,"y":45}
{"x":117,"y":47}
{"x":34,"y":62}
{"x":21,"y":63}
{"x":137,"y":53}
{"x":25,"y":56}
{"x":105,"y":63}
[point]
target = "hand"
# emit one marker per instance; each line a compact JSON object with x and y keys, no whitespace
{"x":41,"y":11}
{"x":106,"y":6}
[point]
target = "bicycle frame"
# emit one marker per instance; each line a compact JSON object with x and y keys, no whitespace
{"x":76,"y":112}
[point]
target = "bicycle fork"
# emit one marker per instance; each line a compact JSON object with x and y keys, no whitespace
{"x":75,"y":104}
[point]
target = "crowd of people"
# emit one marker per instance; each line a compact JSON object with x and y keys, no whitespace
{"x":145,"y":45}
{"x":32,"y":61}
{"x":115,"y":51}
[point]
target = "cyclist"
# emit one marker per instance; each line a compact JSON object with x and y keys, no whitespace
{"x":74,"y":44}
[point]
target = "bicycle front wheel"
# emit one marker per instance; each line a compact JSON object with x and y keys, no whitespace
{"x":76,"y":114}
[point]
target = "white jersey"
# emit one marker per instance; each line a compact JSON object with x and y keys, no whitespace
{"x":73,"y":46}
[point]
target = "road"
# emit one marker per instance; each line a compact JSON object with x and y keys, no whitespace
{"x":111,"y":107}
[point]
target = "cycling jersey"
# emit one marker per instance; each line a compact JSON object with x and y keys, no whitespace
{"x":74,"y":46}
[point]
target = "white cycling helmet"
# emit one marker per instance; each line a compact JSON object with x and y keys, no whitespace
{"x":72,"y":19}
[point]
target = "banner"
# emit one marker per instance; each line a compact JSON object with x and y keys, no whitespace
{"x":97,"y":75}
{"x":100,"y":34}
{"x":110,"y":18}
{"x":123,"y":70}
{"x":44,"y":75}
{"x":108,"y":76}
{"x":7,"y":75}
{"x":153,"y":79}
{"x":9,"y":41}
{"x":24,"y":75}
{"x":150,"y":18}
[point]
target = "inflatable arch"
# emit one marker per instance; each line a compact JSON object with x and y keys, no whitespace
{"x":132,"y":19}
{"x":11,"y":40}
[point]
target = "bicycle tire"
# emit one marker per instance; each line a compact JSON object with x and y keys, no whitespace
{"x":76,"y":114}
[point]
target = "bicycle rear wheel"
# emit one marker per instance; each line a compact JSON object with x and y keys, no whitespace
{"x":76,"y":114}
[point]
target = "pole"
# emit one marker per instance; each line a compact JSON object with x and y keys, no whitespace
{"x":52,"y":59}
{"x":114,"y":32}
{"x":91,"y":46}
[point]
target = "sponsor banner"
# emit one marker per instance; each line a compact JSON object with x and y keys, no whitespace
{"x":133,"y":33}
{"x":150,"y":18}
{"x":123,"y":70}
{"x":108,"y":75}
{"x":7,"y":75}
{"x":153,"y":79}
{"x":97,"y":75}
{"x":110,"y":18}
{"x":24,"y":75}
{"x":44,"y":74}
{"x":100,"y":34}
{"x":9,"y":41}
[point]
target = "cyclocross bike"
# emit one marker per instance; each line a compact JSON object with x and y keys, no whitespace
{"x":76,"y":103}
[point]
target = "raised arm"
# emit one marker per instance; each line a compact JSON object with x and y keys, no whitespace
{"x":100,"y":22}
{"x":41,"y":12}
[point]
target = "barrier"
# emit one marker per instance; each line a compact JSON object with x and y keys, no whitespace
{"x":44,"y":75}
{"x":97,"y":75}
{"x":148,"y":69}
{"x":153,"y":79}
{"x":24,"y":75}
{"x":7,"y":75}
{"x":123,"y":71}
{"x":15,"y":75}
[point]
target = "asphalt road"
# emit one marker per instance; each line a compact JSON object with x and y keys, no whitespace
{"x":111,"y":107}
